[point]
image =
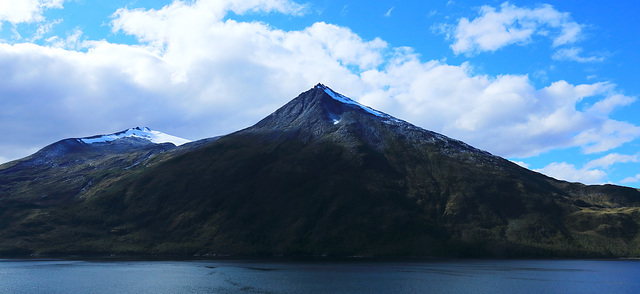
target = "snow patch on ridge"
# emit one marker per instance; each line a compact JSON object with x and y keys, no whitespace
{"x":138,"y":132}
{"x":347,"y":100}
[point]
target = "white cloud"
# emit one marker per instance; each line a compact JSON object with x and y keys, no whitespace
{"x":345,"y":10}
{"x":157,"y":27}
{"x":494,"y":29}
{"x":573,"y":54}
{"x":631,"y":179}
{"x":196,"y":74}
{"x":606,"y":135}
{"x":522,"y":164}
{"x":71,"y":42}
{"x":592,"y":172}
{"x":609,"y":160}
{"x":606,"y":106}
{"x":20,"y":11}
{"x":568,"y":172}
{"x":388,"y":14}
{"x":504,"y":114}
{"x":44,"y":29}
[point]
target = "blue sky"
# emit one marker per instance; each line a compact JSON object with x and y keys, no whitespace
{"x":551,"y":85}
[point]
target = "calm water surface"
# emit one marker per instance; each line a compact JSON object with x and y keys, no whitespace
{"x":452,"y":276}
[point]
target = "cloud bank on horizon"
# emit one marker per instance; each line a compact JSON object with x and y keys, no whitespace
{"x":204,"y":68}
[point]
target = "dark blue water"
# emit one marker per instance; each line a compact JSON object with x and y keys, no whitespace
{"x":455,"y":276}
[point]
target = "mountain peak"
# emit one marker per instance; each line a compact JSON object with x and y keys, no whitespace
{"x":324,"y":113}
{"x":137,"y":132}
{"x":317,"y":107}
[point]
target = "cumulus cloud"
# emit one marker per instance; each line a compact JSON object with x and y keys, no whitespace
{"x":612,"y":134}
{"x":593,"y":172}
{"x":569,"y":172}
{"x":609,"y":160}
{"x":196,"y":73}
{"x":506,"y":114}
{"x":508,"y":25}
{"x":20,"y":11}
{"x":631,"y":179}
{"x":157,"y":27}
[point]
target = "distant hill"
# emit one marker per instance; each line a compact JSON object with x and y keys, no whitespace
{"x":321,"y":176}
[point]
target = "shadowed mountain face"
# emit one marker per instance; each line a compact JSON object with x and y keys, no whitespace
{"x":323,"y":175}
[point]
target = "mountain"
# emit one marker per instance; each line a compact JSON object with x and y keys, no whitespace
{"x":322,"y":175}
{"x":63,"y":169}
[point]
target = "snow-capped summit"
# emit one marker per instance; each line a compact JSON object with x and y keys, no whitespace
{"x":138,"y":132}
